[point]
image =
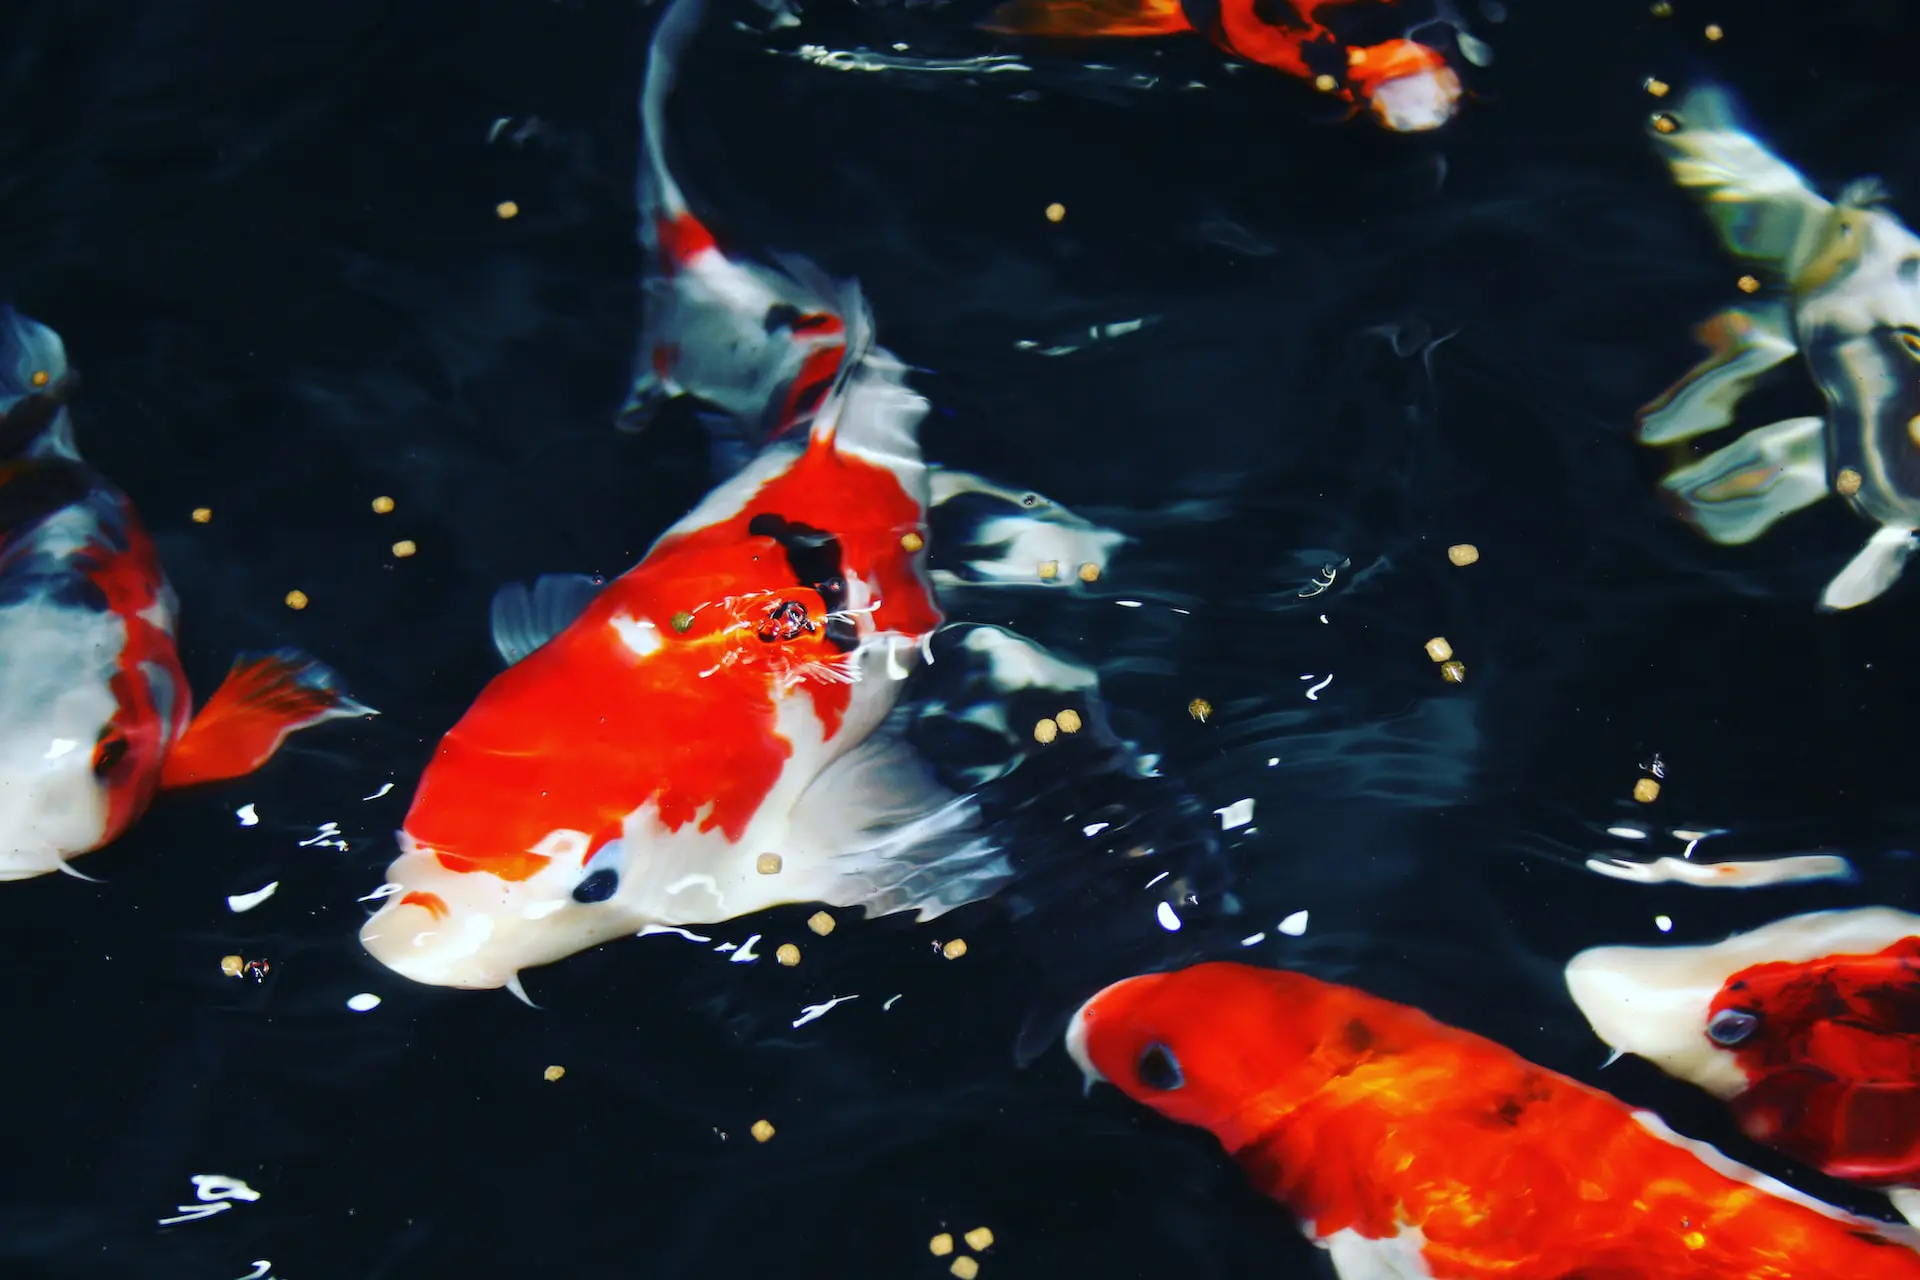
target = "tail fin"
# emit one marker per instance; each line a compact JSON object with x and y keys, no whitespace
{"x":1760,"y":205}
{"x":34,"y":385}
{"x":265,"y":697}
{"x":658,"y":194}
{"x":1080,"y":18}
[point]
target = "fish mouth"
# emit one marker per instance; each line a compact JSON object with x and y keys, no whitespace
{"x":1652,"y":1002}
{"x":1076,"y":1042}
{"x":430,"y":948}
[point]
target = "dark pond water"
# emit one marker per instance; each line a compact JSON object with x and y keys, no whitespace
{"x":268,"y":236}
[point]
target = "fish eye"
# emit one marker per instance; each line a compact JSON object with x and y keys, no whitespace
{"x":1732,"y":1026}
{"x":108,"y":753}
{"x":1158,"y":1069}
{"x":598,"y":886}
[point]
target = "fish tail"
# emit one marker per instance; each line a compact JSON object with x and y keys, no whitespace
{"x":265,"y":697}
{"x":659,"y":195}
{"x":1761,"y":206}
{"x":1077,"y":18}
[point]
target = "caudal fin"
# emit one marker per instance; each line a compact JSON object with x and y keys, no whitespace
{"x":659,"y":195}
{"x":1084,"y":18}
{"x":265,"y":697}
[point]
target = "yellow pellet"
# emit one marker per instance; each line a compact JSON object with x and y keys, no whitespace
{"x":911,"y":542}
{"x":1325,"y":83}
{"x":1438,"y":649}
{"x":554,"y":1073}
{"x":768,"y":864}
{"x":1045,"y":731}
{"x":964,"y":1267}
{"x":40,"y":378}
{"x":1049,"y":570}
{"x":941,"y":1245}
{"x":821,"y":923}
{"x":404,"y":548}
{"x":1847,"y":483}
{"x":233,"y":966}
{"x":979,"y":1239}
{"x":296,"y":599}
{"x":1089,"y":572}
{"x":1646,"y":790}
{"x":1664,"y":123}
{"x":1056,"y":211}
{"x":1454,"y":672}
{"x":1658,"y":88}
{"x":787,"y":954}
{"x":1661,"y":9}
{"x":955,"y":949}
{"x":1748,"y":284}
{"x":1913,"y":428}
{"x":382,"y":505}
{"x":1713,"y":31}
{"x":202,"y":514}
{"x":1694,"y":1240}
{"x":507,"y":209}
{"x":761,"y":1131}
{"x":1068,"y":720}
{"x":1200,"y":709}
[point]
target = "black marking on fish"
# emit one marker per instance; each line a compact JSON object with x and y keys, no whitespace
{"x":815,"y":558}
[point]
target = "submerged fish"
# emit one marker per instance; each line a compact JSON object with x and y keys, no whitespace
{"x":1809,"y":1028}
{"x":1840,"y":285}
{"x":1406,"y":85}
{"x":95,"y":712}
{"x":708,"y":735}
{"x":1409,"y":1148}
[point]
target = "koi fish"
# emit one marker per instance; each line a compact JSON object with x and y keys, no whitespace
{"x":1840,"y":286}
{"x":709,"y":734}
{"x":1409,"y":1148}
{"x":95,"y":711}
{"x":1407,"y":86}
{"x":1808,"y":1027}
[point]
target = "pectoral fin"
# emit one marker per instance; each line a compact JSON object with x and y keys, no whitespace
{"x":1872,"y":571}
{"x":1906,"y":1202}
{"x":1742,"y":345}
{"x":524,"y":619}
{"x":1735,"y":494}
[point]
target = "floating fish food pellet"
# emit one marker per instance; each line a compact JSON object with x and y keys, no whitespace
{"x":1646,"y":790}
{"x":1438,"y":649}
{"x":1325,"y":83}
{"x":941,"y":1245}
{"x":761,"y":1131}
{"x":1454,"y":672}
{"x":681,"y":621}
{"x":1913,"y":428}
{"x":1068,"y":720}
{"x":1658,"y":88}
{"x":821,"y":923}
{"x":40,"y":378}
{"x":911,"y":542}
{"x":979,"y":1239}
{"x":767,"y":864}
{"x":1713,"y":31}
{"x":1664,"y":123}
{"x":1748,"y":284}
{"x":955,"y":949}
{"x":964,"y":1267}
{"x":1463,"y":554}
{"x":554,"y":1073}
{"x":1200,"y":709}
{"x":404,"y":548}
{"x":1056,"y":211}
{"x":787,"y":954}
{"x":1661,"y":9}
{"x":507,"y":209}
{"x":1046,"y":731}
{"x":1847,"y":483}
{"x":382,"y":505}
{"x":1089,"y":572}
{"x":233,"y":966}
{"x":1049,"y":570}
{"x":296,"y":599}
{"x":202,"y":514}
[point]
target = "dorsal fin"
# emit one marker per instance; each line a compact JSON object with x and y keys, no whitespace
{"x":526,"y":618}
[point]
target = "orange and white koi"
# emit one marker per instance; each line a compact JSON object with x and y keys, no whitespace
{"x":1408,"y":1148}
{"x":1406,"y":85}
{"x":706,"y":735}
{"x":95,"y":711}
{"x":1809,"y":1028}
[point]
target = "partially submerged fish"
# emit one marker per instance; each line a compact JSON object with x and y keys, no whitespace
{"x":1404,"y":84}
{"x":95,"y":713}
{"x":708,"y":735}
{"x":1408,"y":1148}
{"x":1809,"y":1028}
{"x":1840,"y":285}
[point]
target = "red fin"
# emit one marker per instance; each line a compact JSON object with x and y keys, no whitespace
{"x":1089,"y":18}
{"x":264,"y":698}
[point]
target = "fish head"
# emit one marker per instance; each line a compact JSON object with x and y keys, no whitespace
{"x":1407,"y":86}
{"x":1723,"y":1016}
{"x":89,"y":700}
{"x":1228,"y":1047}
